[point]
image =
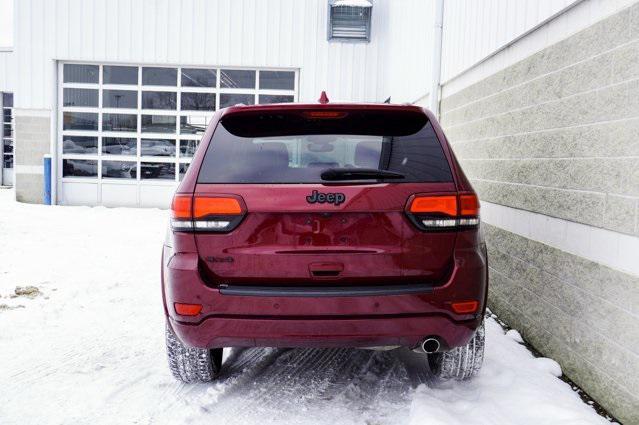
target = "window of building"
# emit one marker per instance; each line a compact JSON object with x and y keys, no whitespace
{"x":350,"y":20}
{"x":129,"y":124}
{"x":7,"y":136}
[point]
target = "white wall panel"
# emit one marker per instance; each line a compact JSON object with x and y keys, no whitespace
{"x":7,"y":71}
{"x":408,"y":49}
{"x":79,"y":194}
{"x":579,"y":15}
{"x":475,"y":29}
{"x":156,"y":196}
{"x":119,"y":195}
{"x":268,"y":33}
{"x":245,"y":33}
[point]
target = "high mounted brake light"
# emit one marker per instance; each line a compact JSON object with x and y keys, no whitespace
{"x":205,"y":213}
{"x":444,"y":212}
{"x":325,"y":115}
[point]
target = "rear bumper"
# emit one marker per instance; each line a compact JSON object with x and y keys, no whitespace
{"x":322,"y":332}
{"x":374,"y":319}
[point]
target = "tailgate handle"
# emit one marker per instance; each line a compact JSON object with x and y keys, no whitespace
{"x":325,"y":270}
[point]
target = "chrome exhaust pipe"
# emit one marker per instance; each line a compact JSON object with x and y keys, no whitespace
{"x":430,"y":345}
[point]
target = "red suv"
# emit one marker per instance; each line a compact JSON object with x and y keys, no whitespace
{"x":324,"y":225}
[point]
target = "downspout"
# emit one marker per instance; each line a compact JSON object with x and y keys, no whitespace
{"x":437,"y":57}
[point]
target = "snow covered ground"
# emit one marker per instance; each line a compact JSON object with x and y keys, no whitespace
{"x":88,"y":349}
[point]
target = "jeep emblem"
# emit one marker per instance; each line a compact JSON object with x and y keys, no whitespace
{"x":322,"y":198}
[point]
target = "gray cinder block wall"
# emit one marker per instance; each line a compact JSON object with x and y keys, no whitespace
{"x":32,"y":136}
{"x":558,"y":134}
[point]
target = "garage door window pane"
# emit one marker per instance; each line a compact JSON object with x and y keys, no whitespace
{"x":81,"y":73}
{"x":187,"y":148}
{"x":157,"y":171}
{"x":159,"y":100}
{"x":79,"y":168}
{"x":183,"y":168}
{"x":157,"y":147}
{"x":80,"y":97}
{"x":193,"y":124}
{"x":79,"y":144}
{"x":120,"y":99}
{"x":119,"y":146}
{"x":158,"y":124}
{"x":79,"y":121}
{"x":237,"y":79}
{"x":7,"y":100}
{"x":119,"y":169}
{"x":198,"y":102}
{"x":275,"y":98}
{"x":277,"y":80}
{"x":119,"y":122}
{"x":159,"y":76}
{"x":199,"y":78}
{"x":8,"y":146}
{"x":120,"y":75}
{"x":228,"y":99}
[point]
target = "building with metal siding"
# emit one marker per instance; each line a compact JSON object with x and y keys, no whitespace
{"x":537,"y":98}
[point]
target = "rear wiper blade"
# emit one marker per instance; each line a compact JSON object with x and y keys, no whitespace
{"x":358,"y":174}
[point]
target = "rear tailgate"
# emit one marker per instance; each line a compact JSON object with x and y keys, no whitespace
{"x":306,"y":219}
{"x":285,"y":240}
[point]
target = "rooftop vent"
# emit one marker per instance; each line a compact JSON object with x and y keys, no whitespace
{"x":350,"y":20}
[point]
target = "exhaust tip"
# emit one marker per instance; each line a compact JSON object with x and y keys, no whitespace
{"x":430,"y":345}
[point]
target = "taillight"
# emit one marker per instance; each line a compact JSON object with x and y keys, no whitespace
{"x":195,"y":213}
{"x":444,"y":212}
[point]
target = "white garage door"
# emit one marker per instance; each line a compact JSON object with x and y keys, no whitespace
{"x":127,"y":133}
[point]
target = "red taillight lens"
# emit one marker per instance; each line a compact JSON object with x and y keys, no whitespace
{"x":181,"y":206}
{"x":468,"y":205}
{"x":203,"y":207}
{"x":188,"y":309}
{"x":465,"y":307}
{"x":443,"y":212}
{"x":205,"y":213}
{"x":435,"y":205}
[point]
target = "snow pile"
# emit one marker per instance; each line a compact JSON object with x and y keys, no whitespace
{"x":512,"y":333}
{"x":513,"y":387}
{"x":87,"y":346}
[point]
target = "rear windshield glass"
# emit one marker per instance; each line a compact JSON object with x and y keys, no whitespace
{"x":297,"y":147}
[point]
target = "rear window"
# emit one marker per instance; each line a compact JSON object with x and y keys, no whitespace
{"x":296,"y":147}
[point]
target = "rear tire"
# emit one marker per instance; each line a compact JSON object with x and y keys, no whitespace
{"x":461,"y":363}
{"x":190,"y":364}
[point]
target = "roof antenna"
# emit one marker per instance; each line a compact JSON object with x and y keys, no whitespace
{"x":323,"y":98}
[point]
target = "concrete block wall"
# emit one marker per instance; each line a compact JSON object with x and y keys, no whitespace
{"x":32,"y":142}
{"x":557,"y":134}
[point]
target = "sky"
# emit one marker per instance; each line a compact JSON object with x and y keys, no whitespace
{"x":6,"y":23}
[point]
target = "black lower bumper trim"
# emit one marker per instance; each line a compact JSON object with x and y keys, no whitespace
{"x":320,"y":291}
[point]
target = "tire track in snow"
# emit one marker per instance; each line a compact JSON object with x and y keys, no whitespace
{"x":308,"y":386}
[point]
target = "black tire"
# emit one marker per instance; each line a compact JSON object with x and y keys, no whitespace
{"x":190,"y":364}
{"x":461,"y":363}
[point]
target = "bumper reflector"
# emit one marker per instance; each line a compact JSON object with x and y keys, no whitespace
{"x":465,"y":307}
{"x":188,"y":309}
